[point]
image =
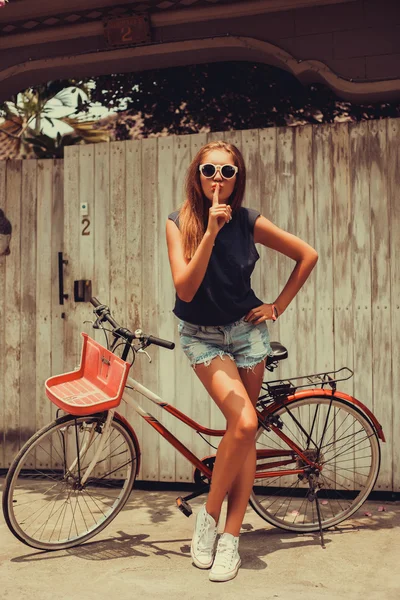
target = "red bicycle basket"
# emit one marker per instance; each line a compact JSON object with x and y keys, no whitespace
{"x":98,"y":384}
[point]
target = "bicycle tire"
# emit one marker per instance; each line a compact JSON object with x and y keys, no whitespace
{"x":27,"y":497}
{"x":347,"y":430}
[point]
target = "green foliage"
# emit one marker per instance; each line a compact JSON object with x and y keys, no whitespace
{"x":30,"y":108}
{"x":224,"y":96}
{"x":209,"y":97}
{"x":48,"y":147}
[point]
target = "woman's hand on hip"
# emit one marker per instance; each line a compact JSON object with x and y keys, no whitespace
{"x":257,"y":315}
{"x":219,"y":214}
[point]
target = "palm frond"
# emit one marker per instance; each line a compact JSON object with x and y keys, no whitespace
{"x":87,"y":130}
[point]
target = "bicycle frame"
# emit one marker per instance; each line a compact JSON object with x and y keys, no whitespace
{"x":292,"y":454}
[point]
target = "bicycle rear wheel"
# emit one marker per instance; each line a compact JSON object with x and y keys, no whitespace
{"x":44,"y":504}
{"x":348,"y":449}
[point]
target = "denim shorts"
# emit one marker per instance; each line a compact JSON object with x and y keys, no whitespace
{"x":246,"y":344}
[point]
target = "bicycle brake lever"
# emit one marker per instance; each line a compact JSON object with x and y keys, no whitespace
{"x":146,"y":353}
{"x":95,"y":324}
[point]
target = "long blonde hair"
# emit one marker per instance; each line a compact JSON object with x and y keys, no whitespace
{"x":193,"y":216}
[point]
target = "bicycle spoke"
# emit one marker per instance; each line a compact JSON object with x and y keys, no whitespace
{"x":351,"y":448}
{"x":50,"y":508}
{"x":333,"y":433}
{"x":347,"y":437}
{"x":83,"y":516}
{"x":73,"y":521}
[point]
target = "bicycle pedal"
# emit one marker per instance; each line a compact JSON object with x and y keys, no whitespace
{"x":184,"y":506}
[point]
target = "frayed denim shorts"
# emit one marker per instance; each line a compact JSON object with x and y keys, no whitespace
{"x":246,"y":344}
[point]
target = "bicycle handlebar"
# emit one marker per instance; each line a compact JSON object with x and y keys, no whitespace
{"x":129,"y":335}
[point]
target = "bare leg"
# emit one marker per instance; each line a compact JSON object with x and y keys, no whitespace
{"x":224,"y":384}
{"x":239,"y":493}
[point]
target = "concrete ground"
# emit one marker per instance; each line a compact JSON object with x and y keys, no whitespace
{"x":145,"y":554}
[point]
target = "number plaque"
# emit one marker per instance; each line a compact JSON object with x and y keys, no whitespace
{"x":127,"y":31}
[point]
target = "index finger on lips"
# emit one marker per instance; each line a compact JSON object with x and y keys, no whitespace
{"x":216,"y":195}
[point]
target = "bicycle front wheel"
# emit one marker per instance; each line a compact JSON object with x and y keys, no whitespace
{"x":45,"y":504}
{"x":341,"y":440}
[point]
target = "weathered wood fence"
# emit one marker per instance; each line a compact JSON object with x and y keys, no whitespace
{"x":334,"y":186}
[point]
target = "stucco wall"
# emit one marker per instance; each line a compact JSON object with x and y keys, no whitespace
{"x":359,"y":40}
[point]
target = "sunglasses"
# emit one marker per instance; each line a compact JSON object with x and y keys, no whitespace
{"x":208,"y":170}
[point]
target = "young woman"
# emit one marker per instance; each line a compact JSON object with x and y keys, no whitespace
{"x":223,"y":328}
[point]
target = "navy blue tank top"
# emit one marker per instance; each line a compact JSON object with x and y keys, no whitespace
{"x":225,"y":294}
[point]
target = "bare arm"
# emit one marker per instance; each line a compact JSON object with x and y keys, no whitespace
{"x":188,"y":275}
{"x":270,"y":235}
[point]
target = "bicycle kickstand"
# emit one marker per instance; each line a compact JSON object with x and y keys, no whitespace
{"x":319,"y":522}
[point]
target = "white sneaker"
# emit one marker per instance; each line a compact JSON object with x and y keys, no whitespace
{"x":227,"y":560}
{"x":203,"y":542}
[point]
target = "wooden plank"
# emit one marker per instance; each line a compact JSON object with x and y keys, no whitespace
{"x":282,"y":211}
{"x":118,"y":243}
{"x":134,"y":281}
{"x":323,"y":213}
{"x":215,"y":136}
{"x":150,"y":295}
{"x":342,"y":281}
{"x":99,"y":210}
{"x":380,"y":292}
{"x":57,"y":245}
{"x":269,"y":207}
{"x":100,"y":220}
{"x":393,"y":179}
{"x":101,"y":228}
{"x":197,"y":141}
{"x":183,"y":373}
{"x":72,"y":232}
{"x":29,"y":241}
{"x":286,"y":197}
{"x":230,"y":137}
{"x":361,"y":248}
{"x":360,"y":165}
{"x":165,"y":300}
{"x":43,"y":303}
{"x":251,"y":156}
{"x":304,"y":228}
{"x":342,"y":253}
{"x":85,"y":269}
{"x":117,"y":232}
{"x":3,"y":264}
{"x":12,"y":314}
{"x":322,"y":150}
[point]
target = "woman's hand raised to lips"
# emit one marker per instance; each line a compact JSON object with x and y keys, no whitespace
{"x":219,"y":214}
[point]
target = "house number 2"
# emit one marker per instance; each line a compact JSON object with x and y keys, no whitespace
{"x":86,"y":225}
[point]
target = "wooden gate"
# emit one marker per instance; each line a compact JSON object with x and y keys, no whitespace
{"x":334,"y":186}
{"x":31,"y":324}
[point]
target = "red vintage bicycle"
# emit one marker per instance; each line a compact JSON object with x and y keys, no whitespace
{"x":318,"y":452}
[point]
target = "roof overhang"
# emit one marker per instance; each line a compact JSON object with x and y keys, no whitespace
{"x":83,"y":62}
{"x":199,"y":51}
{"x":177,"y":10}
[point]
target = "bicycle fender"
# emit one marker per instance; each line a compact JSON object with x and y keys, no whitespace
{"x":346,"y":398}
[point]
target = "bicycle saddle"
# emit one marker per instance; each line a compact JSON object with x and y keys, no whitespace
{"x":279,"y":352}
